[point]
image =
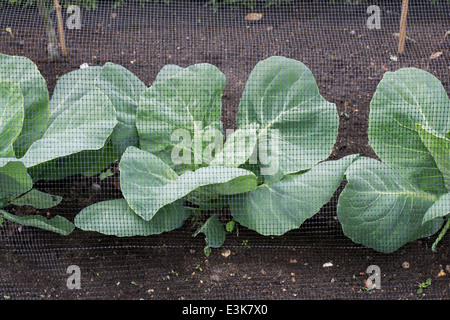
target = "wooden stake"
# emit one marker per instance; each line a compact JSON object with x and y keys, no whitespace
{"x":62,"y":39}
{"x":402,"y":37}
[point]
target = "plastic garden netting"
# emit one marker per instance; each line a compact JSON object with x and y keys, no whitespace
{"x":224,"y":150}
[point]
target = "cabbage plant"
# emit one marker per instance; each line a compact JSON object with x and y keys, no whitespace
{"x":82,"y":129}
{"x":403,"y":197}
{"x":269,"y":171}
{"x":156,"y":188}
{"x":298,"y":128}
{"x":23,"y":116}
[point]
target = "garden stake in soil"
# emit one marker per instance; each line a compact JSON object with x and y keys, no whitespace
{"x":62,"y":39}
{"x":402,"y":37}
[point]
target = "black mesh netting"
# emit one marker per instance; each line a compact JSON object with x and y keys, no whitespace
{"x":299,"y":76}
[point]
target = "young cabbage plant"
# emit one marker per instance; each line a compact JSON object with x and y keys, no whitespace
{"x":292,"y":130}
{"x":161,"y":186}
{"x":84,"y":119}
{"x":23,"y":108}
{"x":88,"y":123}
{"x":404,"y":197}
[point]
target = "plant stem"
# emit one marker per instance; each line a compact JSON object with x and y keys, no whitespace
{"x":441,"y":235}
{"x":52,"y":45}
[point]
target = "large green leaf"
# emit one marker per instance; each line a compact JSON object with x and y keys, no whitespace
{"x":56,"y":224}
{"x":297,"y":126}
{"x":70,"y":88}
{"x":86,"y":125}
{"x":439,"y":147}
{"x":182,"y":102}
{"x":148,"y":184}
{"x":381,"y":210}
{"x":11,"y":117}
{"x":124,"y":90}
{"x":284,"y":205}
{"x":115,"y":217}
{"x":14,"y":180}
{"x":88,"y":163}
{"x":37,"y":199}
{"x":403,"y":99}
{"x":23,"y":72}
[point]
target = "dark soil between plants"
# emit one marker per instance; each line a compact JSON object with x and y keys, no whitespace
{"x":347,"y":59}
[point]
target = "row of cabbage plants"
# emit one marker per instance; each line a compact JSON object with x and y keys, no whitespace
{"x":272,"y":171}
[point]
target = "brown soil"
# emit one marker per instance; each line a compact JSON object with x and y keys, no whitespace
{"x":347,"y":59}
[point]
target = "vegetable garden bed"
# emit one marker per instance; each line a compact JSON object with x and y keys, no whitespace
{"x":350,"y":73}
